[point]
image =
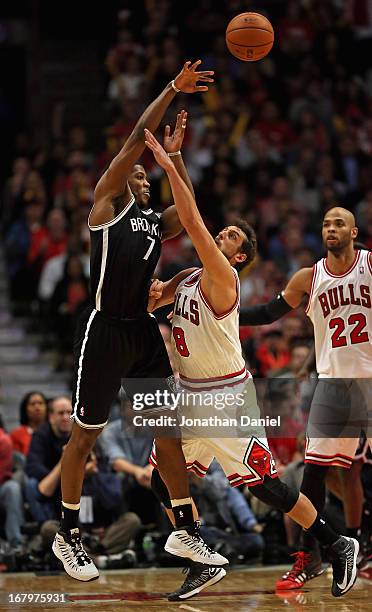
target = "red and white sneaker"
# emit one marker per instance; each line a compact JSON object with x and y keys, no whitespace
{"x":305,"y":567}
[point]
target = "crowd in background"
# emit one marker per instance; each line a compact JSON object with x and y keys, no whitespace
{"x":277,"y":142}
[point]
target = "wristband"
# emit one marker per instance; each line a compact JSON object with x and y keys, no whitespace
{"x":174,"y":154}
{"x":174,"y":87}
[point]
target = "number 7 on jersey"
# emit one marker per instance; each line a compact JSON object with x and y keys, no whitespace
{"x":152,"y":242}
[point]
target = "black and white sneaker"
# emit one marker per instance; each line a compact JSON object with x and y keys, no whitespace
{"x":343,"y":554}
{"x":68,"y":548}
{"x":190,"y":545}
{"x":199,"y":577}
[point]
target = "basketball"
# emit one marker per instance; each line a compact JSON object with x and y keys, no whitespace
{"x":249,"y":36}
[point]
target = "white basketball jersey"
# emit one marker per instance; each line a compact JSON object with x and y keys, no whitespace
{"x":340,"y":308}
{"x":206,"y":346}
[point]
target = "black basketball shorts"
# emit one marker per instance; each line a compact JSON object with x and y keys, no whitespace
{"x":108,"y":350}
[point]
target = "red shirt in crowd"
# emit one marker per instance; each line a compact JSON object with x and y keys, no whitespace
{"x":42,"y":246}
{"x":271,"y":361}
{"x":6,"y":457}
{"x":21,"y":438}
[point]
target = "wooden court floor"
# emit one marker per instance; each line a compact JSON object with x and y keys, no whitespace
{"x":241,"y":590}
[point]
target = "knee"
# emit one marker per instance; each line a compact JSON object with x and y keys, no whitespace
{"x":351,"y":474}
{"x":314,"y":475}
{"x":133,"y":521}
{"x":83,"y":441}
{"x":276,"y":494}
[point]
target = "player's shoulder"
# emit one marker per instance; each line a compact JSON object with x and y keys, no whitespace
{"x":193,"y":278}
{"x":303,"y":278}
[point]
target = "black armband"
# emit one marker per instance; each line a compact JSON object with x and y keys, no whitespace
{"x":263,"y":314}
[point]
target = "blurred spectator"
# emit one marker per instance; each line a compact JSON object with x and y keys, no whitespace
{"x":11,"y":501}
{"x":50,"y":241}
{"x":272,"y":353}
{"x":299,"y":352}
{"x":13,"y":191}
{"x":53,"y":270}
{"x":32,"y":414}
{"x":70,"y":296}
{"x":21,"y":234}
{"x":127,"y":80}
{"x":43,"y":466}
{"x":128,"y":455}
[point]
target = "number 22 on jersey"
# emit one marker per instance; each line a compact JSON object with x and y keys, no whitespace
{"x":357,"y":333}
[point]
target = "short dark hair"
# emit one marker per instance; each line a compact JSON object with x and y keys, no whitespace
{"x":249,"y":245}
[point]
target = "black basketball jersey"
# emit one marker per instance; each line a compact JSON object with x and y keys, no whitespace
{"x":124,"y":254}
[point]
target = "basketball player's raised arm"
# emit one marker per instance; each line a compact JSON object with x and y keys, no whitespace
{"x":215,"y":264}
{"x":114,"y":180}
{"x":292,"y":296}
{"x":170,"y":223}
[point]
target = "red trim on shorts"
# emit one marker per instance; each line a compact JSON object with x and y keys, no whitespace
{"x":329,"y":456}
{"x":243,"y":480}
{"x":199,"y":465}
{"x":192,"y":467}
{"x":313,"y":277}
{"x":332,"y":463}
{"x":233,"y":384}
{"x":213,"y":379}
{"x":356,"y":259}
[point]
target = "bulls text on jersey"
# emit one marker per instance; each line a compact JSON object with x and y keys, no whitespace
{"x":344,"y":295}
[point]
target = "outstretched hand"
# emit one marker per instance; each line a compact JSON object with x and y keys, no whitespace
{"x":187,"y":79}
{"x":160,"y":155}
{"x":173,"y":143}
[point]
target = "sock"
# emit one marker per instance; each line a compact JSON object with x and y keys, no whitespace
{"x":182,"y":511}
{"x":309,"y":544}
{"x":352,"y":532}
{"x":323,"y":532}
{"x":69,"y":516}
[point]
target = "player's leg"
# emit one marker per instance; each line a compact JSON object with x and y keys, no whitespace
{"x":329,"y":412}
{"x":97,"y":382}
{"x":154,"y":367}
{"x":172,"y":467}
{"x":187,"y":542}
{"x":342,"y":551}
{"x":250,"y":461}
{"x":74,"y":459}
{"x":201,"y":574}
{"x":352,"y":496}
{"x":321,"y":453}
{"x":308,"y":561}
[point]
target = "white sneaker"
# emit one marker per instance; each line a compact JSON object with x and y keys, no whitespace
{"x":68,"y":548}
{"x":191,"y":546}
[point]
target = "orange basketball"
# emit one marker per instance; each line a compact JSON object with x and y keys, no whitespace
{"x":249,"y":36}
